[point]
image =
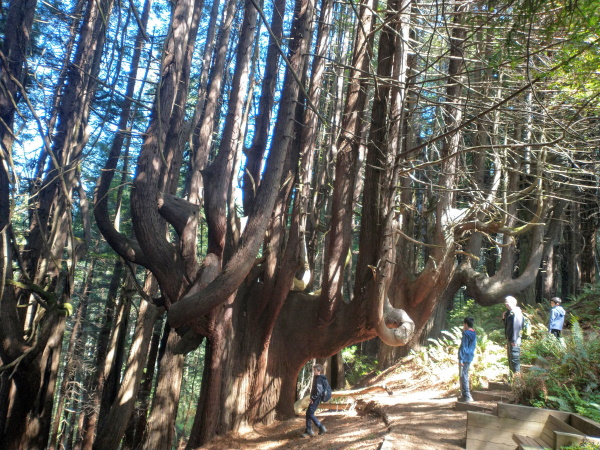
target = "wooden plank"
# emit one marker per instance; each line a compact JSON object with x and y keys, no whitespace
{"x":499,"y":386}
{"x":528,"y":413}
{"x":547,"y":435}
{"x":388,"y":443}
{"x":489,"y":435}
{"x":529,"y":443}
{"x":488,"y":421}
{"x":559,"y":425}
{"x":522,"y":440}
{"x":567,"y":439}
{"x":585,"y":425}
{"x":483,"y":396}
{"x":476,"y":444}
{"x":463,"y":406}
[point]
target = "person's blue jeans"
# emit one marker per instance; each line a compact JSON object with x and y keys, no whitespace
{"x":463,"y":376}
{"x":310,"y":415}
{"x":514,"y":358}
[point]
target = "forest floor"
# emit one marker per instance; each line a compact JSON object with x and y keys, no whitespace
{"x":418,"y":415}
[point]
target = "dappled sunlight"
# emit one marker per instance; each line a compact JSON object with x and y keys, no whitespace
{"x":346,"y":431}
{"x":418,"y":415}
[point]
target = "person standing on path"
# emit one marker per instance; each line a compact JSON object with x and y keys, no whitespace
{"x":316,"y":393}
{"x":466,"y":352}
{"x":513,"y":324}
{"x":557,"y":317}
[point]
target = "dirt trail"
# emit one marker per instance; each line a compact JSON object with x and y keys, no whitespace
{"x":419,"y":415}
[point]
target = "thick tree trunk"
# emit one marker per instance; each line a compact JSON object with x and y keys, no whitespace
{"x":38,"y":423}
{"x":12,"y":72}
{"x":218,"y":369}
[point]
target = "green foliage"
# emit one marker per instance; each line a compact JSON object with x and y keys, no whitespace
{"x":585,"y":445}
{"x":564,"y":373}
{"x":585,"y":308}
{"x":440,"y":358}
{"x":357,"y":365}
{"x":488,"y":318}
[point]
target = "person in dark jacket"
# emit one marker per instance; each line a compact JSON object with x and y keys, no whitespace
{"x":315,"y":398}
{"x":513,"y":324}
{"x":466,"y":352}
{"x":557,"y":317}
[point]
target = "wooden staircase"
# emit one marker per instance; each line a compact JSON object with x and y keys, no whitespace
{"x":516,"y":426}
{"x":485,"y":401}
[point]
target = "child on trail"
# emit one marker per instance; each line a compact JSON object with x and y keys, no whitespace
{"x":315,"y":398}
{"x":557,"y":317}
{"x":466,"y":352}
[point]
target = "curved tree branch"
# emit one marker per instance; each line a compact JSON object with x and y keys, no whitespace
{"x":396,"y":328}
{"x":125,"y":247}
{"x":492,"y":290}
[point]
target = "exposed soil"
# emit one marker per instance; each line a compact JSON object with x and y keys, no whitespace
{"x":418,"y":415}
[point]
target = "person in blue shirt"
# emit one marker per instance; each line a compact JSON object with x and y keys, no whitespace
{"x":557,"y":317}
{"x":466,"y":352}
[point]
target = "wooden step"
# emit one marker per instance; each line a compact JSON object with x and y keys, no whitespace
{"x":462,"y":406}
{"x":499,"y":386}
{"x":491,"y":396}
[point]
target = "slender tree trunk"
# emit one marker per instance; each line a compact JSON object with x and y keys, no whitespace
{"x":161,"y":423}
{"x":117,"y":350}
{"x":589,"y":229}
{"x":12,"y":73}
{"x":136,"y":430}
{"x":73,"y":362}
{"x":112,"y":428}
{"x":94,"y":384}
{"x":255,"y":153}
{"x":204,"y":129}
{"x":218,"y":175}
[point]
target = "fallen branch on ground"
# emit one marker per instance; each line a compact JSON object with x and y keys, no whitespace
{"x":303,"y":403}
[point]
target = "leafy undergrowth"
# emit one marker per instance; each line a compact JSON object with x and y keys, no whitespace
{"x":564,"y":372}
{"x":558,"y":374}
{"x":440,"y":359}
{"x":585,"y":445}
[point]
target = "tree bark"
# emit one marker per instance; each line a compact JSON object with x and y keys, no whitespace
{"x":112,"y":428}
{"x":136,"y":432}
{"x":160,"y":432}
{"x":255,"y":153}
{"x":94,"y":382}
{"x":74,"y":352}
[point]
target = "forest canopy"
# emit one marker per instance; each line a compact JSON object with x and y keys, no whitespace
{"x":241,"y":187}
